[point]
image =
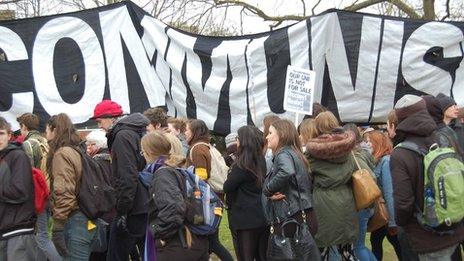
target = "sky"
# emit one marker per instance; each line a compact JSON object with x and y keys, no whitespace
{"x":250,"y":24}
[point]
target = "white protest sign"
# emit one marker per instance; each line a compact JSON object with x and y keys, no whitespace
{"x":299,"y":90}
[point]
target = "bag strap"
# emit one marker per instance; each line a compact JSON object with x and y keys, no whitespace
{"x":409,"y":145}
{"x":356,"y":160}
{"x":194,"y":145}
{"x":300,"y":204}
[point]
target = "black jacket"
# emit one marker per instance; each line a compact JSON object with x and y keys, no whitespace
{"x":245,"y":209}
{"x":458,"y":127}
{"x":408,"y":185}
{"x":124,"y":144}
{"x":167,"y":206}
{"x":16,"y":190}
{"x":286,"y":166}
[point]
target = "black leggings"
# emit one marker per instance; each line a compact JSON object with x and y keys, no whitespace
{"x":377,"y":239}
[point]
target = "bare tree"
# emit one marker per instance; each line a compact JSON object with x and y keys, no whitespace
{"x":32,"y":8}
{"x":214,"y":16}
{"x":422,"y":9}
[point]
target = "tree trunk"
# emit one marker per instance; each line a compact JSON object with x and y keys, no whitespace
{"x":429,"y":9}
{"x":7,"y":15}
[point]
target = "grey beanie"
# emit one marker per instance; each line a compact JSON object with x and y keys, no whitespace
{"x":408,"y":105}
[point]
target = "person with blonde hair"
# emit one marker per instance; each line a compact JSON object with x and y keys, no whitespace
{"x":167,"y":210}
{"x":307,"y":130}
{"x":176,"y":145}
{"x":332,"y":164}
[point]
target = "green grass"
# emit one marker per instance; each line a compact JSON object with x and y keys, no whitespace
{"x":226,"y":240}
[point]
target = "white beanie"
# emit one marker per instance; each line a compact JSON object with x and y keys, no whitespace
{"x":231,"y":139}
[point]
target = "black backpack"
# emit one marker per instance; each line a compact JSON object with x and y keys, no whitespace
{"x":96,"y":195}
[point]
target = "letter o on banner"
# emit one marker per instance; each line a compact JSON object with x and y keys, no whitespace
{"x":42,"y":67}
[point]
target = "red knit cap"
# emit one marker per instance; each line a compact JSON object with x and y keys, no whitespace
{"x":107,"y":109}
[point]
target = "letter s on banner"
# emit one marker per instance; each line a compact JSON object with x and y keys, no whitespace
{"x":42,"y":66}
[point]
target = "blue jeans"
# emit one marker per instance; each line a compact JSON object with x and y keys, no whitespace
{"x":78,"y":237}
{"x":362,"y":252}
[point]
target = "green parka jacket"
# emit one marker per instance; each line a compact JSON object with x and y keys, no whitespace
{"x":332,"y":166}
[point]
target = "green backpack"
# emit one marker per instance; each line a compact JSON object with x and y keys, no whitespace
{"x":443,"y":186}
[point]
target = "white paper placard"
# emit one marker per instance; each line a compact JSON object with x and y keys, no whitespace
{"x":299,"y":90}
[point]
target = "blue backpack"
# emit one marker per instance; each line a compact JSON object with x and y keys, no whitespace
{"x":204,"y":207}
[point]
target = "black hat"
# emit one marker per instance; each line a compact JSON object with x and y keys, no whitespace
{"x":445,"y":101}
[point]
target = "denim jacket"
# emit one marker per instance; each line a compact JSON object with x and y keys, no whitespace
{"x":384,"y":180}
{"x":281,"y":178}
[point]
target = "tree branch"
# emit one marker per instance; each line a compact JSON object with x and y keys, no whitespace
{"x":447,"y":10}
{"x":314,"y":7}
{"x":4,"y":2}
{"x":304,"y":6}
{"x":257,"y":11}
{"x":398,"y":3}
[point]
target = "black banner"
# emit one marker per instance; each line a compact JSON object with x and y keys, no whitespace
{"x":363,"y":63}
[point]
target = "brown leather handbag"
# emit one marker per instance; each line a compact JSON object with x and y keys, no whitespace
{"x":365,"y":188}
{"x":380,"y":217}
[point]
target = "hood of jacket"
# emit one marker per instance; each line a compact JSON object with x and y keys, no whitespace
{"x":11,"y":146}
{"x":418,"y":124}
{"x":333,"y":146}
{"x":434,"y":109}
{"x":135,"y":122}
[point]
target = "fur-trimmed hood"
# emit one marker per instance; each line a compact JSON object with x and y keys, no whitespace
{"x":335,"y":145}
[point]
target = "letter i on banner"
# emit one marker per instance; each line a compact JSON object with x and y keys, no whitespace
{"x":299,"y":91}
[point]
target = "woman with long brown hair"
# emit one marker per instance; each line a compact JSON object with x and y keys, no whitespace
{"x":267,"y":121}
{"x":287,"y":189}
{"x":243,"y":188}
{"x":71,"y":235}
{"x":198,"y":138}
{"x":381,"y":149}
{"x":167,"y":209}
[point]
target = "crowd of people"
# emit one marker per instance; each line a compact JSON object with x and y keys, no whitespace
{"x":281,"y":180}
